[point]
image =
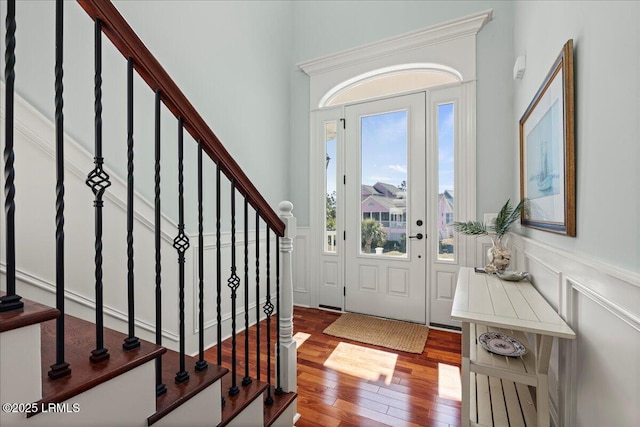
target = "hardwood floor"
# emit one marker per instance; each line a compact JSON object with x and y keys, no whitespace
{"x":422,"y":390}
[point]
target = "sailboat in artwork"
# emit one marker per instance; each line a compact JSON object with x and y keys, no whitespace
{"x":545,"y":177}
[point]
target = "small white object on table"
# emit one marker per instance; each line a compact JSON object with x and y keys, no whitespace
{"x":483,"y":302}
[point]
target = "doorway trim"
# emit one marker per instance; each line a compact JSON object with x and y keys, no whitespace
{"x":451,"y":44}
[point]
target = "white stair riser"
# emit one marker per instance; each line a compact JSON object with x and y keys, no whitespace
{"x":201,"y":410}
{"x":19,"y":369}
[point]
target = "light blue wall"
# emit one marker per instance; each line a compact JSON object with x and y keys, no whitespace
{"x":326,"y":27}
{"x":607,"y":102}
{"x":230,"y":58}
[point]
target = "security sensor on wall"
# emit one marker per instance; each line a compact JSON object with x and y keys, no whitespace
{"x":519,"y":67}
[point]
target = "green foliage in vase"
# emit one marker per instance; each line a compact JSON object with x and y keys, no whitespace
{"x":507,"y":216}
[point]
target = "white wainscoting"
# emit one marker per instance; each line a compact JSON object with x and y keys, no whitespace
{"x":302,"y":295}
{"x":594,"y":380}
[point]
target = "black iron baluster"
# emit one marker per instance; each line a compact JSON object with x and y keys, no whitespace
{"x":181,"y":244}
{"x":278,"y":390}
{"x":257,"y":295}
{"x":247,"y":379}
{"x":268,"y":310}
{"x":98,"y":181}
{"x":10,"y":301}
{"x":161,"y":388}
{"x":60,"y":368}
{"x":131,"y":342}
{"x":201,"y":364}
{"x":218,"y":271}
{"x":233,"y":283}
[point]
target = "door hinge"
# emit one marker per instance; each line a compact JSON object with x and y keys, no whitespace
{"x":344,"y":235}
{"x":344,"y":179}
{"x":344,"y":123}
{"x":344,"y":291}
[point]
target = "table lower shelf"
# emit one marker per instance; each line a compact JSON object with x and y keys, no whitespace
{"x":500,"y":403}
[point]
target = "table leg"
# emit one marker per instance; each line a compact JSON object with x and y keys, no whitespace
{"x":543,"y":354}
{"x":466,"y":375}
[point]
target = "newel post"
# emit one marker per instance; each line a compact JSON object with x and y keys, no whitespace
{"x":287,"y":344}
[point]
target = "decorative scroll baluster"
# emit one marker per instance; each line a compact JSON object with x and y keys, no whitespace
{"x":279,"y":390}
{"x":10,"y":301}
{"x":233,"y":283}
{"x":161,"y":388}
{"x":131,"y":342}
{"x":181,"y":244}
{"x":60,"y":368}
{"x":258,"y":295}
{"x":218,"y":271}
{"x":98,"y":181}
{"x":201,"y":364}
{"x":268,"y":310}
{"x":247,"y":379}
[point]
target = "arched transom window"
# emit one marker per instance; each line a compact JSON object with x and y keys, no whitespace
{"x":390,"y":80}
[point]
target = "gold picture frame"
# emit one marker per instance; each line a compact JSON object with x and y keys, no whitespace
{"x":547,"y":151}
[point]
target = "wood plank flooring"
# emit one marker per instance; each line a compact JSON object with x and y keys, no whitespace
{"x":422,"y":391}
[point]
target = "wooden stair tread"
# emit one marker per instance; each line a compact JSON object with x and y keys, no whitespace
{"x":31,"y":314}
{"x":236,"y":404}
{"x":177,"y":394}
{"x":79,"y":342}
{"x":280,"y":404}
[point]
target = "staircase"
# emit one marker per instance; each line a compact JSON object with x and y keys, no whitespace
{"x":123,"y":352}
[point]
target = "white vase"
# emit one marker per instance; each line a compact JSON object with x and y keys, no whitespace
{"x":379,"y":250}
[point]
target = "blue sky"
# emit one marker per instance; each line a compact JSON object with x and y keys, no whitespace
{"x":384,"y":152}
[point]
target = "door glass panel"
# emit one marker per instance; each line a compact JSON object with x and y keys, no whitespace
{"x":446,"y":241}
{"x":383,"y":183}
{"x":330,"y":185}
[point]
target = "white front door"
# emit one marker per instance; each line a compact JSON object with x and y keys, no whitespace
{"x":385,"y":210}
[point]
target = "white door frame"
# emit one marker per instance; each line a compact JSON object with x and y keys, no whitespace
{"x":452,"y":43}
{"x":442,"y":274}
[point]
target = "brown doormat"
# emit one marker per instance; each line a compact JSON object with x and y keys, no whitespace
{"x":397,"y":335}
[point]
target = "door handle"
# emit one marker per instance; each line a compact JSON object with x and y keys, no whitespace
{"x":418,"y":236}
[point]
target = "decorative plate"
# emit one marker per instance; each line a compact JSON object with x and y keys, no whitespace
{"x":513,"y":276}
{"x":503,"y":345}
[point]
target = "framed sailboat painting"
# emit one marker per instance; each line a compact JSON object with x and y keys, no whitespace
{"x":547,"y":151}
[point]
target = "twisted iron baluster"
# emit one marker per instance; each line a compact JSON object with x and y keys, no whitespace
{"x":201,"y":364}
{"x":268,"y":310}
{"x":279,"y":390}
{"x":131,"y":342}
{"x":161,"y":388}
{"x":10,"y":301}
{"x":98,"y":181}
{"x":233,"y":283}
{"x":60,"y":368}
{"x":218,"y":271}
{"x":257,"y":295}
{"x":247,"y":379}
{"x":181,"y":244}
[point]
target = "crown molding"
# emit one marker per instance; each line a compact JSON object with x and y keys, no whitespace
{"x":468,"y":25}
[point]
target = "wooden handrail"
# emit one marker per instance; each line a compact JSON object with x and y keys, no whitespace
{"x":129,"y":44}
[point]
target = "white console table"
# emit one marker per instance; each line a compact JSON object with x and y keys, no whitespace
{"x":495,"y":388}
